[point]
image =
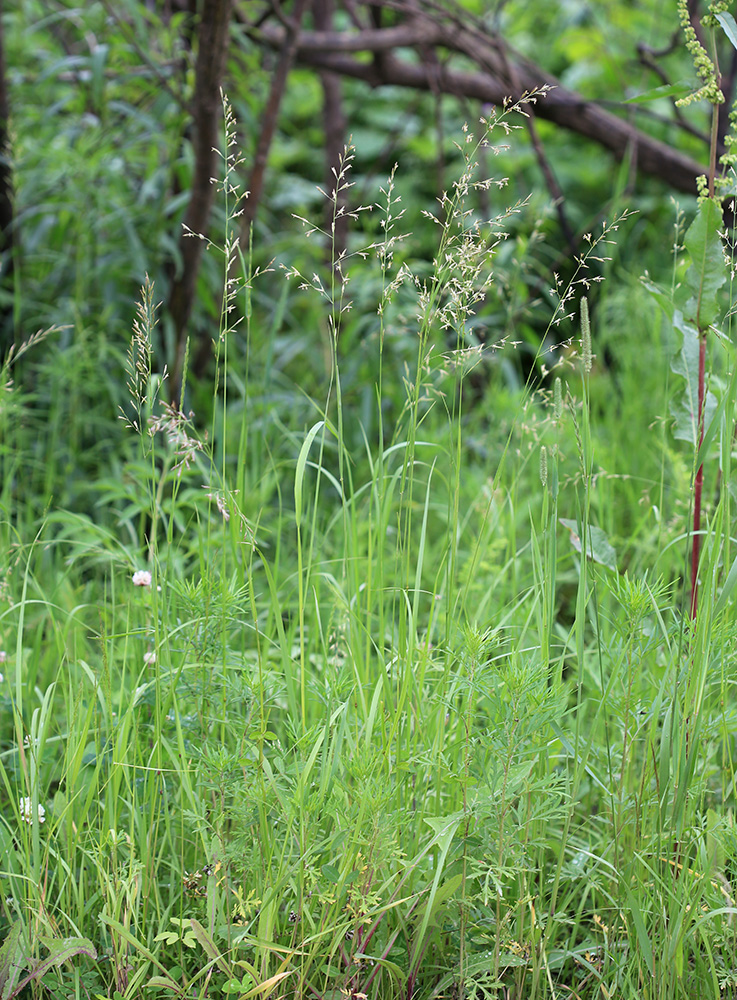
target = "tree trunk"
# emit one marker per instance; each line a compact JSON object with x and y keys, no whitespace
{"x":212,"y":34}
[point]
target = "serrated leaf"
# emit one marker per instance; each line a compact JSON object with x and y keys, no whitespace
{"x":598,"y":546}
{"x":730,"y":27}
{"x":684,"y":407}
{"x":708,"y":270}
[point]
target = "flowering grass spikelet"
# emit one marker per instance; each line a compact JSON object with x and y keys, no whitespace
{"x":586,"y":354}
{"x":557,"y":398}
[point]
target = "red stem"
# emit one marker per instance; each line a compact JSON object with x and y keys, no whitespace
{"x":698,"y":484}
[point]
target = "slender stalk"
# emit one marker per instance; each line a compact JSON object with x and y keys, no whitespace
{"x":698,"y":485}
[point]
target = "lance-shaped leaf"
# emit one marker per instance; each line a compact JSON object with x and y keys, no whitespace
{"x":730,"y":28}
{"x":708,"y":270}
{"x":598,"y":545}
{"x":684,"y":407}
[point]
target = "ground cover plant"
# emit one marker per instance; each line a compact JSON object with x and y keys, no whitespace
{"x":381,"y":673}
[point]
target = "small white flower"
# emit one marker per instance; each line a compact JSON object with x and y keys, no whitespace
{"x":149,"y":657}
{"x":3,"y":656}
{"x":1,"y":678}
{"x":142,"y":578}
{"x":26,"y":811}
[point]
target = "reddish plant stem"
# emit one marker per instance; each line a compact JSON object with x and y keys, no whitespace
{"x":698,"y":483}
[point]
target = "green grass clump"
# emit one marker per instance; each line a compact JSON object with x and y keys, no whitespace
{"x":385,"y":690}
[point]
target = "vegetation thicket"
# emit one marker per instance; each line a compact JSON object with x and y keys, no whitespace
{"x":398,"y":658}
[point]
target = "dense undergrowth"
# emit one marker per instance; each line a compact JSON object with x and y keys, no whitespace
{"x":374,"y":676}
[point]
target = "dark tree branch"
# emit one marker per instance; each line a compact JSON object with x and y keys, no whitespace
{"x":548,"y":173}
{"x":324,"y":50}
{"x":334,"y":123}
{"x":212,"y":54}
{"x":288,"y":48}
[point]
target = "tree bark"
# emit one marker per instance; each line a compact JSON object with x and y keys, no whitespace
{"x":501,"y":75}
{"x":335,"y":141}
{"x":287,"y":48}
{"x":212,"y":56}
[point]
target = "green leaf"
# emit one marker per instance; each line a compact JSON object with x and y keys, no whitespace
{"x":681,"y":89}
{"x":331,"y":873}
{"x":170,"y":937}
{"x":213,"y":952}
{"x":444,"y":828}
{"x":643,"y":937}
{"x":12,"y":960}
{"x":729,"y":585}
{"x":60,"y":951}
{"x":162,"y":982}
{"x":662,"y":297}
{"x":598,"y":546}
{"x":684,"y":407}
{"x":266,"y":986}
{"x":300,"y":473}
{"x":708,"y":270}
{"x":730,"y":27}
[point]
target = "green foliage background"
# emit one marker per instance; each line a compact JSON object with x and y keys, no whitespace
{"x":413,"y":705}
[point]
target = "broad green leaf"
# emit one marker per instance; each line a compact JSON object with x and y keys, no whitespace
{"x":598,"y":546}
{"x":169,"y":937}
{"x":708,"y":270}
{"x":730,"y":27}
{"x":684,"y":406}
{"x":12,"y":959}
{"x":60,"y":950}
{"x":331,"y":873}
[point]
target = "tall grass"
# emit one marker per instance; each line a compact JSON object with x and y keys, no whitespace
{"x":385,"y":696}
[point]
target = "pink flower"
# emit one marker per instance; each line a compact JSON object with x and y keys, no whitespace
{"x":142,"y":578}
